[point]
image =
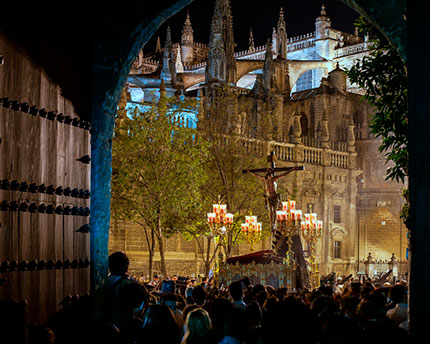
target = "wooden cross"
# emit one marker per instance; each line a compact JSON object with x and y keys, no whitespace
{"x":269,"y":178}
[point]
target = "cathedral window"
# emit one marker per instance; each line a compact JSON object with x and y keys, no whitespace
{"x":337,"y":214}
{"x":337,"y":249}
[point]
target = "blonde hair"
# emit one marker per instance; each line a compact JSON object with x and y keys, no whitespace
{"x":197,"y":324}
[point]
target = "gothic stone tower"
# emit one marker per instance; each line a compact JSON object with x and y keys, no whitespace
{"x":187,"y":42}
{"x":221,"y":64}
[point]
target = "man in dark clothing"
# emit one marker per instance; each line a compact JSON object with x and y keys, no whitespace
{"x":122,"y":298}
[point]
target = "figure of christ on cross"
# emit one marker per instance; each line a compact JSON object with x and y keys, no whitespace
{"x":269,"y":178}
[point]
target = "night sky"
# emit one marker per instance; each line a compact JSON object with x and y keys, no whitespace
{"x":262,"y":16}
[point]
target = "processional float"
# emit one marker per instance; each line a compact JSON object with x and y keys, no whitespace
{"x":285,"y":264}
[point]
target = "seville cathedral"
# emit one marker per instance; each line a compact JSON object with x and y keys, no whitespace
{"x":297,"y":88}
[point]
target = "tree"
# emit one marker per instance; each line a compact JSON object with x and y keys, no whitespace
{"x":222,"y":122}
{"x":157,"y":171}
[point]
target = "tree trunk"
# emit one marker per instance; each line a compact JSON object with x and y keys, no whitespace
{"x":161,"y":248}
{"x":151,"y":249}
{"x":208,"y":254}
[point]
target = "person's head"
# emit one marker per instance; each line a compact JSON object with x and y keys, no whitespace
{"x":199,"y":295}
{"x":118,"y":263}
{"x":323,"y":306}
{"x":168,"y":286}
{"x":269,"y":302}
{"x":236,"y":290}
{"x":159,"y":324}
{"x":188,"y":309}
{"x":197,"y":324}
{"x":174,"y":277}
{"x":398,"y":294}
{"x":349,"y":304}
{"x":155,"y":278}
{"x":368,"y":310}
{"x":219,"y":309}
{"x":258,"y":288}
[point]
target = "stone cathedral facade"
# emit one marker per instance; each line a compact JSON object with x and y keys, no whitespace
{"x":297,"y":88}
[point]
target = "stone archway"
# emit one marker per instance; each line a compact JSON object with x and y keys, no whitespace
{"x":108,"y":79}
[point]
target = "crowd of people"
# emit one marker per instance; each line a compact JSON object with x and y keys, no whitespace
{"x":182,"y":311}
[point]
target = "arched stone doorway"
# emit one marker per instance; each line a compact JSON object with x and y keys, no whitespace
{"x":120,"y":32}
{"x":386,"y":16}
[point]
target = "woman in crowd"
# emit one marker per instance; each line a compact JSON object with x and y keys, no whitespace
{"x":197,"y":326}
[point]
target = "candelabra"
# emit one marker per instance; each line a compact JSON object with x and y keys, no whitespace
{"x":312,"y":231}
{"x":251,"y":230}
{"x":288,"y":220}
{"x":220,"y":223}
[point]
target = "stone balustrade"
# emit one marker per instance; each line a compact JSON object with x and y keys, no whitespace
{"x":301,"y":153}
{"x":352,"y":49}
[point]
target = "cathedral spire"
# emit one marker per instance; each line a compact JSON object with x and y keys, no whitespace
{"x":281,"y":41}
{"x":251,"y":45}
{"x":221,"y":65}
{"x":268,"y":68}
{"x":323,"y":12}
{"x":187,"y":41}
{"x":167,"y":72}
{"x":179,"y":67}
{"x":187,"y":31}
{"x":274,"y":41}
{"x":158,"y":45}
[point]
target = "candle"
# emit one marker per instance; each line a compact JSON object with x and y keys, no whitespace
{"x":223,"y":208}
{"x":279,"y":215}
{"x":320,"y":224}
{"x":307,"y":217}
{"x":284,"y":216}
{"x":254,"y":219}
{"x":259,"y":226}
{"x":308,"y":225}
{"x":229,"y":218}
{"x":293,"y":214}
{"x":313,"y":216}
{"x":298,"y":215}
{"x":243,"y":227}
{"x":247,"y":219}
{"x":293,"y":204}
{"x":285,"y":206}
{"x":216,"y":208}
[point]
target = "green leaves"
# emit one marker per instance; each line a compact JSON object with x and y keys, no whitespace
{"x":158,"y":167}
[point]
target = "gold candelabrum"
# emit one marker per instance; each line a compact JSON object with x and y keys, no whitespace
{"x":288,"y":224}
{"x":220,"y":223}
{"x":311,"y":232}
{"x":251,"y":230}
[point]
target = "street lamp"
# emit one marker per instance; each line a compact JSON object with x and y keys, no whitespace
{"x":251,"y":230}
{"x":312,"y":231}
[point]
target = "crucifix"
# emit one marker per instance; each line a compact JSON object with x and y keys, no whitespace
{"x":269,"y":177}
